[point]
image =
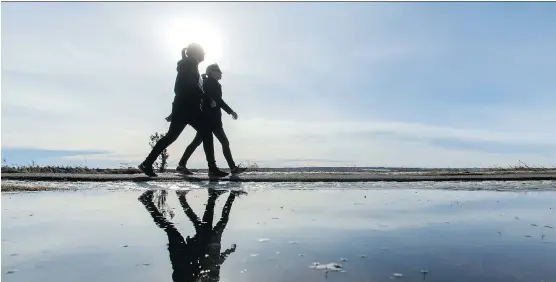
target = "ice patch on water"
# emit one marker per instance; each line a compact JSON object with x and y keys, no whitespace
{"x":264,"y":240}
{"x":396,"y":276}
{"x":326,"y":267}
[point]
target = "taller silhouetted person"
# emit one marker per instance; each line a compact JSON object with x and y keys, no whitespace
{"x":186,"y":109}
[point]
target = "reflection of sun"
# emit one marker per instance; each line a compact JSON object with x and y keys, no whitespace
{"x":178,"y":34}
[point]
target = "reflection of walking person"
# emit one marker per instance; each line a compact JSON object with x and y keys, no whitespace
{"x":198,"y":257}
{"x":213,"y":114}
{"x":186,"y":110}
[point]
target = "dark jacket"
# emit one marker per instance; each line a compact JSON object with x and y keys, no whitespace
{"x":187,"y":79}
{"x":187,"y":89}
{"x":213,"y":89}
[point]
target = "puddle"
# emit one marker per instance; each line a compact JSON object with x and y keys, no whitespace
{"x":125,"y":234}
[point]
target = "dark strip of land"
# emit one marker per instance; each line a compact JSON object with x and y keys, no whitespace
{"x":291,"y":177}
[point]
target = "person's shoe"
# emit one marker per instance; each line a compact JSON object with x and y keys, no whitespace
{"x":217,"y":172}
{"x":238,"y":170}
{"x":182,"y":193}
{"x":146,"y":197}
{"x":183,"y":170}
{"x":148,"y":170}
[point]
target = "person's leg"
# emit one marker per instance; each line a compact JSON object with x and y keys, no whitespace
{"x":174,"y":131}
{"x":174,"y":235}
{"x":188,"y":210}
{"x":202,"y":125}
{"x":208,"y":216}
{"x":190,"y":149}
{"x":221,"y":136}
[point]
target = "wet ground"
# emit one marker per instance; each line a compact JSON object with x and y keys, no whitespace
{"x":296,"y":177}
{"x":281,"y":232}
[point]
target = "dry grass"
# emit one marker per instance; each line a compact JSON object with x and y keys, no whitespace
{"x":34,"y":168}
{"x":254,"y":167}
{"x":18,"y":188}
{"x":521,"y":167}
{"x":123,"y":169}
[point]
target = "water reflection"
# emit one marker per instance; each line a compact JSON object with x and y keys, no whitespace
{"x":196,"y":258}
{"x":376,"y":235}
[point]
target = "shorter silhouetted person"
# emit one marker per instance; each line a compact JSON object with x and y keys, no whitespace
{"x":196,"y":258}
{"x":186,"y":109}
{"x":213,"y":114}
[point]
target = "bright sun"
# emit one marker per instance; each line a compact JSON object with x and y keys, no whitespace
{"x":180,"y":33}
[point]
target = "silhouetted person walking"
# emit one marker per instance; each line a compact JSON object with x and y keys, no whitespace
{"x":213,"y":114}
{"x":186,"y":109}
{"x":199,"y":257}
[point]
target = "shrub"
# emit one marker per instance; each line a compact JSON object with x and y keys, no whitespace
{"x":162,"y":162}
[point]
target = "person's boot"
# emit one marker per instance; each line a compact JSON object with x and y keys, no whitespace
{"x":183,"y":170}
{"x":147,"y":169}
{"x":146,"y":197}
{"x":238,"y":170}
{"x":215,"y":171}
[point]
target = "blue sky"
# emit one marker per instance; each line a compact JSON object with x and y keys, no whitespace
{"x":314,"y":84}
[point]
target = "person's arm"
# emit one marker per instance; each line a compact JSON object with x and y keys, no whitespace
{"x":226,"y":253}
{"x":211,"y":90}
{"x":225,"y":107}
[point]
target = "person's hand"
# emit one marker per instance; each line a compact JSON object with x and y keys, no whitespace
{"x":234,"y":115}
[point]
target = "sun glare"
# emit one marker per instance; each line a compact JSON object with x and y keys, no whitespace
{"x":179,"y":34}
